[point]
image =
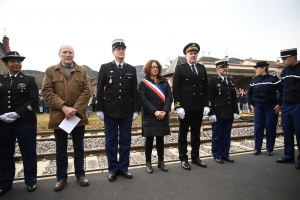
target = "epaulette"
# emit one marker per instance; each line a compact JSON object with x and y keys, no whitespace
{"x":214,"y":77}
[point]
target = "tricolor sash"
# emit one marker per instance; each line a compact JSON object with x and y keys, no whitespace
{"x":156,"y":89}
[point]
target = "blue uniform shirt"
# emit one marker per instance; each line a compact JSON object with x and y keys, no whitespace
{"x":265,"y":90}
{"x":290,"y":78}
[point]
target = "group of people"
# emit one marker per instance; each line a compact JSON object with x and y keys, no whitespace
{"x":66,"y":88}
{"x":241,"y":95}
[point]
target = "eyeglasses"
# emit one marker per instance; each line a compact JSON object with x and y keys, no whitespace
{"x":154,"y":67}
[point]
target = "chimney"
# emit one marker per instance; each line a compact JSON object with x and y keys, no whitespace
{"x":6,"y":44}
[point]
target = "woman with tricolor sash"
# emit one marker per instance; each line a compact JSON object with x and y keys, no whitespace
{"x":155,"y":98}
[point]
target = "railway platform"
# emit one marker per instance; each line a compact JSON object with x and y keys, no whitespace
{"x":249,"y":177}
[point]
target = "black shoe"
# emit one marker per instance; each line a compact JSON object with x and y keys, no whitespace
{"x":297,"y":166}
{"x":4,"y":190}
{"x":257,"y":152}
{"x":285,"y":160}
{"x":185,"y":165}
{"x":199,"y":163}
{"x":31,"y":188}
{"x":228,"y":160}
{"x":149,"y":167}
{"x":162,"y":166}
{"x":126,"y":174}
{"x":112,"y":176}
{"x":220,"y":161}
{"x":270,"y":153}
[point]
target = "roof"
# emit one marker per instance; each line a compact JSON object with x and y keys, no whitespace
{"x":178,"y":61}
{"x":207,"y":59}
{"x":272,"y":63}
{"x":235,"y":60}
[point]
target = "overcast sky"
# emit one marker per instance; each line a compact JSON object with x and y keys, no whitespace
{"x":156,"y":29}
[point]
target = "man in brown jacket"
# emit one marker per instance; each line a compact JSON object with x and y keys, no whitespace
{"x":66,"y":88}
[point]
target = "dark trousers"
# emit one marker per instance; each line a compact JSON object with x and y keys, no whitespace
{"x":112,"y":141}
{"x":290,"y":116}
{"x":159,"y":147}
{"x":192,"y":119}
{"x":221,"y":138}
{"x":61,"y":139}
{"x":265,"y":118}
{"x":26,"y":136}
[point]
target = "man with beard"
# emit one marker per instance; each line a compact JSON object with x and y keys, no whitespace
{"x":223,"y":110}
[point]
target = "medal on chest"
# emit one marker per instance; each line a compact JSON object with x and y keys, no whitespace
{"x":219,"y":86}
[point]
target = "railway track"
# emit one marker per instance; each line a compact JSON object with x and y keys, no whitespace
{"x":95,"y":159}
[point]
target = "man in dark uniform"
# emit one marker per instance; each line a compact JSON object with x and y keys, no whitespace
{"x":290,"y":108}
{"x":191,"y":97}
{"x":18,"y":97}
{"x":223,"y":110}
{"x":117,"y":107}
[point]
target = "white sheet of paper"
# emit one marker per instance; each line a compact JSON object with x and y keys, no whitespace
{"x":69,"y":125}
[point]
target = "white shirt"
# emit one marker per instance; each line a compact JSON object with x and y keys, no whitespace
{"x":194,"y":67}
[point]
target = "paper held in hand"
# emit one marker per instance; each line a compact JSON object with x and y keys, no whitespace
{"x":69,"y":125}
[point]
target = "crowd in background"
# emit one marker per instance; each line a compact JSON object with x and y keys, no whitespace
{"x":242,"y":100}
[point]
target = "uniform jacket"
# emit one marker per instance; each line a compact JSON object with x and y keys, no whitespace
{"x":150,"y":103}
{"x":190,"y":91}
{"x":117,"y":92}
{"x":21,"y":97}
{"x":60,"y":89}
{"x":263,"y":90}
{"x":223,"y":97}
{"x":290,"y":78}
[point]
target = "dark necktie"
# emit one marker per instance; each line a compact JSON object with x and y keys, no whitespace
{"x":11,"y":79}
{"x":194,"y":70}
{"x":120,"y":68}
{"x":226,"y":80}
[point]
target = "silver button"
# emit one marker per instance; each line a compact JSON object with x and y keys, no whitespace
{"x":8,"y":106}
{"x":193,"y":93}
{"x":120,"y":77}
{"x":8,"y":96}
{"x":119,"y":90}
{"x":8,"y":91}
{"x":194,"y":85}
{"x":119,"y":97}
{"x":120,"y":84}
{"x":8,"y":102}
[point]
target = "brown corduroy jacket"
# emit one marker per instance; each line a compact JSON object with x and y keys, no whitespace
{"x":60,"y":89}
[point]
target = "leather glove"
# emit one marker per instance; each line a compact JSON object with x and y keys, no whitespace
{"x":213,"y":118}
{"x":135,"y":115}
{"x":235,"y":115}
{"x":206,"y":111}
{"x":100,"y":115}
{"x":12,"y":115}
{"x":180,"y":112}
{"x":6,"y":119}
